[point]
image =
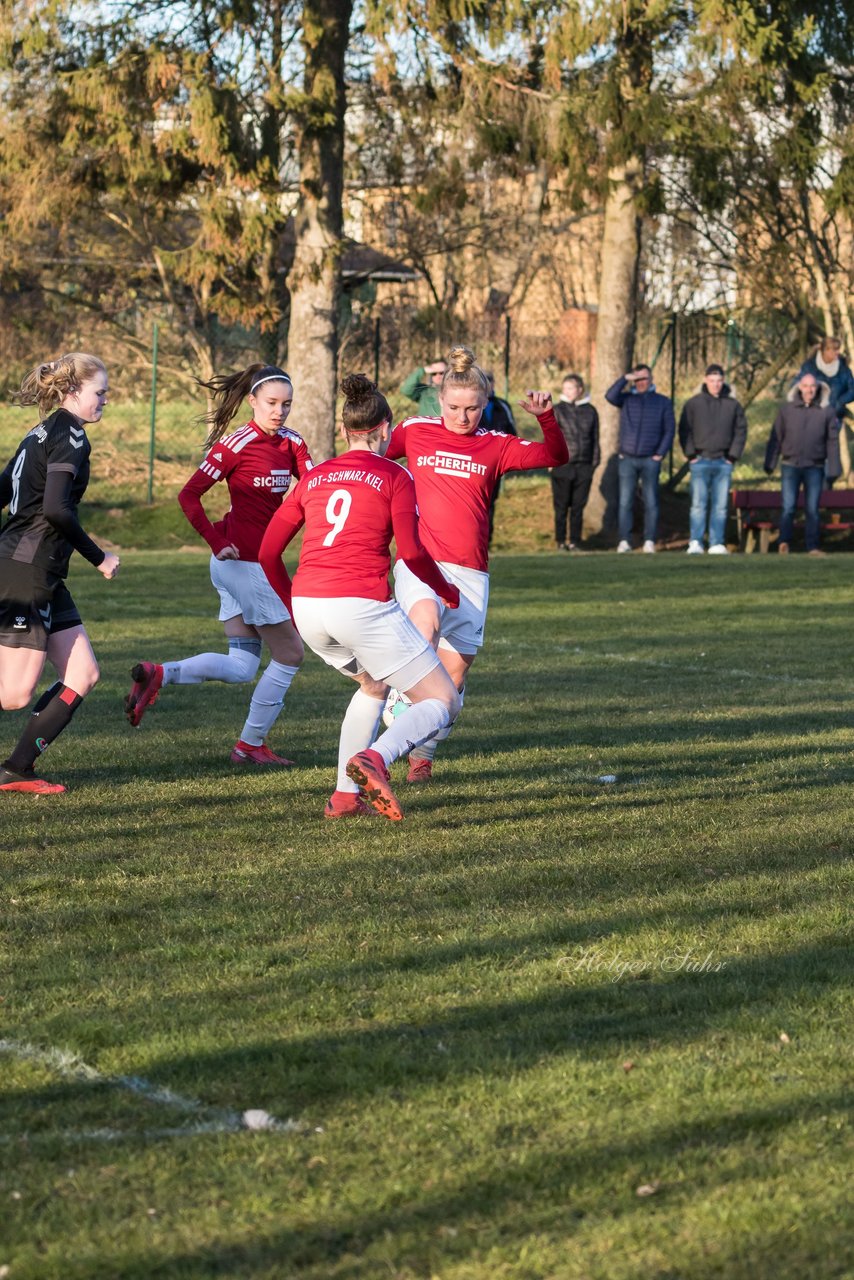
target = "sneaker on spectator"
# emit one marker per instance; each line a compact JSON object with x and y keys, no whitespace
{"x":783,"y":549}
{"x":718,"y":550}
{"x":623,"y":547}
{"x":649,"y":547}
{"x":695,"y":548}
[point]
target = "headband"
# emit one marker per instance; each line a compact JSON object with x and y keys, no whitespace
{"x":275,"y":375}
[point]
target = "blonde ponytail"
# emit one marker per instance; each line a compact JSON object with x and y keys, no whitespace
{"x":50,"y":382}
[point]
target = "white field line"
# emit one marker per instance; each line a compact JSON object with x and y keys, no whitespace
{"x":211,"y":1119}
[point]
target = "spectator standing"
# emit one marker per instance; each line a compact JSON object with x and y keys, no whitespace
{"x":423,"y":385}
{"x":497,"y":416}
{"x":828,"y":364}
{"x":805,"y":435}
{"x":647,"y":428}
{"x":712,"y":432}
{"x":579,"y":422}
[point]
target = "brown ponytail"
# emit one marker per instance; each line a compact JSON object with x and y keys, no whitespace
{"x":230,"y":390}
{"x":365,"y":408}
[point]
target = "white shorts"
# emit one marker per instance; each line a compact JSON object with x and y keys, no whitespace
{"x":355,"y":635}
{"x":244,"y":589}
{"x":461,"y":630}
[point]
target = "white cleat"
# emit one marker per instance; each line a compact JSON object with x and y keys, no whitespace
{"x":649,"y":547}
{"x":718,"y":550}
{"x":695,"y":549}
{"x":623,"y":547}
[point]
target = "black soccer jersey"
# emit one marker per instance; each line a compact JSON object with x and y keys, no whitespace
{"x":59,"y":444}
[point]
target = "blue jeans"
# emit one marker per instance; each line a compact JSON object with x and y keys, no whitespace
{"x":630,"y":470}
{"x":710,"y":479}
{"x":791,"y":479}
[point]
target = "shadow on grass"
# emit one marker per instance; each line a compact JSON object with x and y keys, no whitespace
{"x":465,"y":1215}
{"x":575,"y":1014}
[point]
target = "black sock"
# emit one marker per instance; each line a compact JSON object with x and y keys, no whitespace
{"x":49,"y":717}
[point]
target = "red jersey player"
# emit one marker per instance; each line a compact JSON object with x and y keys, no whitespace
{"x":352,"y":507}
{"x":257,"y":462}
{"x":456,"y":465}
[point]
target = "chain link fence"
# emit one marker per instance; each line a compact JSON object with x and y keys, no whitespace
{"x":151,"y":441}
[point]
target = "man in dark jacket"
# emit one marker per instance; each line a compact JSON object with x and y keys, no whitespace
{"x":579,"y":423}
{"x":806,"y":435}
{"x":647,"y":428}
{"x":712,"y":432}
{"x":497,"y":414}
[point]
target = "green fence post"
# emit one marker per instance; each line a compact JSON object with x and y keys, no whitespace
{"x":673,"y":332}
{"x":153,"y":429}
{"x":506,"y":357}
{"x":377,"y":344}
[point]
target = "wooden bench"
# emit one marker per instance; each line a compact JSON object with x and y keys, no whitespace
{"x":758,"y":514}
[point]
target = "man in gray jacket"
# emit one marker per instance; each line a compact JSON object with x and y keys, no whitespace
{"x":806,"y":435}
{"x":712,"y":432}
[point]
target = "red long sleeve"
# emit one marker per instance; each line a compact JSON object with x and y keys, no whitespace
{"x":190,"y":501}
{"x":414,"y":554}
{"x":526,"y":455}
{"x":283,"y":527}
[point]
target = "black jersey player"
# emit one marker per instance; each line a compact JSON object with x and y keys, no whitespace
{"x":40,"y":489}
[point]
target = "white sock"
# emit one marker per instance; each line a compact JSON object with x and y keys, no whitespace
{"x":358,"y":730}
{"x":240,"y":664}
{"x":267,"y":702}
{"x":427,"y":749}
{"x":422,"y":720}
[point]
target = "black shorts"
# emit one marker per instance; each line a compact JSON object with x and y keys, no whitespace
{"x":34,"y":605}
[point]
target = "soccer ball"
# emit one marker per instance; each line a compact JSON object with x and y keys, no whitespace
{"x":395,"y":705}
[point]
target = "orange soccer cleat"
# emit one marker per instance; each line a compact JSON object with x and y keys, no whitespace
{"x":244,"y":753}
{"x":368,"y":771}
{"x":346,"y":804}
{"x":147,"y":678}
{"x":12,"y":780}
{"x":419,"y":770}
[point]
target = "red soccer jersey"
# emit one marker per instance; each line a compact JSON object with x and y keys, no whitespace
{"x":257,"y":468}
{"x":455,"y":478}
{"x":351,"y":506}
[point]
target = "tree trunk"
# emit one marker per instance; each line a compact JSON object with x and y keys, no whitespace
{"x":315,"y":279}
{"x":615,"y":333}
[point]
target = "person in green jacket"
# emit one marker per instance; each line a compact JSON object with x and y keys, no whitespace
{"x":423,"y":385}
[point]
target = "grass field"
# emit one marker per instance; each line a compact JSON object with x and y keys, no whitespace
{"x":549,"y":1026}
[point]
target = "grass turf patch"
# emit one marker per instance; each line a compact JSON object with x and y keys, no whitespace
{"x":491,"y":1025}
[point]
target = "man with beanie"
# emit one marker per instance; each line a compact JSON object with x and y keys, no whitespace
{"x":647,"y":428}
{"x":579,"y":422}
{"x":712,"y":432}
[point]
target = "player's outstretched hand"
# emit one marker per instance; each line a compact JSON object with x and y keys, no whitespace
{"x":228,"y":553}
{"x":109,"y":566}
{"x":536,"y":402}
